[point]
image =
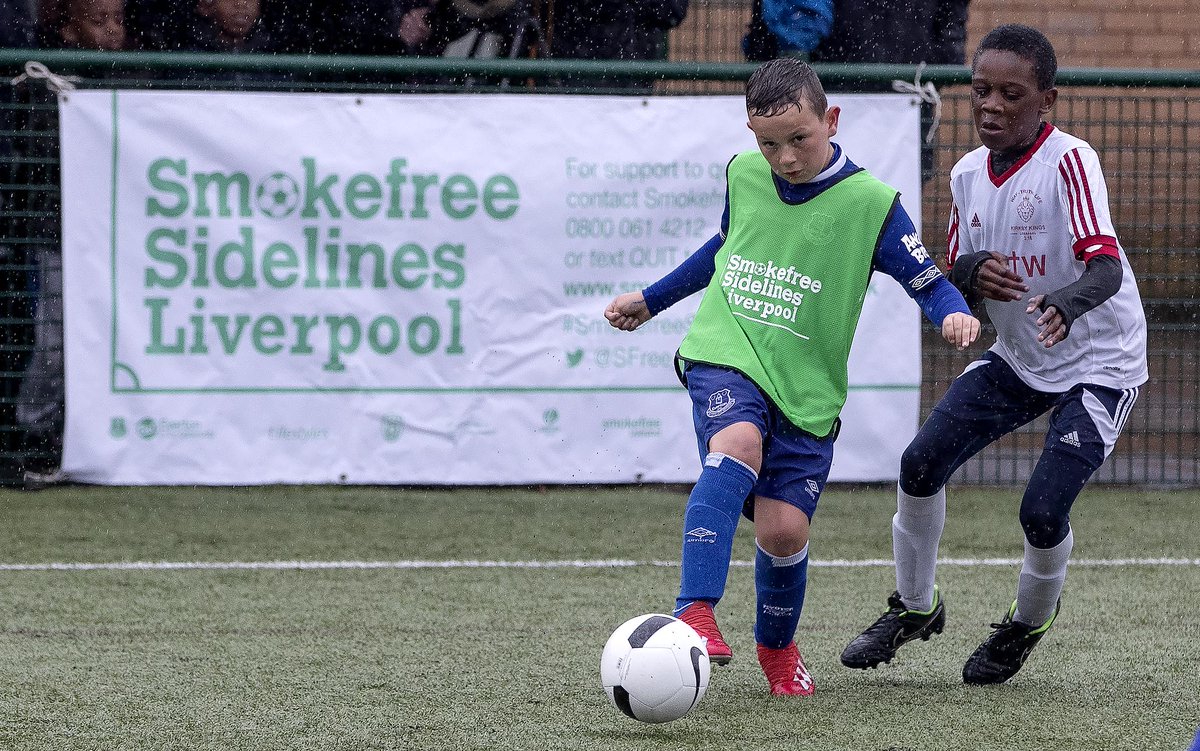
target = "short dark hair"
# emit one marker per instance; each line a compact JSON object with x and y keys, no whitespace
{"x":1026,"y":42}
{"x":778,"y":84}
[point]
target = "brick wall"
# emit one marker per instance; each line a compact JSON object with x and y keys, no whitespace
{"x":1102,"y":33}
{"x":1085,"y":33}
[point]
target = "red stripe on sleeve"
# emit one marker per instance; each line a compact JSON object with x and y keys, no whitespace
{"x":1066,"y":178}
{"x":1083,"y":211}
{"x":1097,"y":245}
{"x":1087,"y":190}
{"x":952,"y":237}
{"x":1066,"y":169}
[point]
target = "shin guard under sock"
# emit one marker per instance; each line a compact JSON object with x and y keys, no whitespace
{"x":780,"y":584}
{"x":711,"y":518}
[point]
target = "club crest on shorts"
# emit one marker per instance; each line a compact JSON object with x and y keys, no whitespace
{"x":719,"y":402}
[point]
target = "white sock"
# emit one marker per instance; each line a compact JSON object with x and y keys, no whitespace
{"x":1043,"y":573}
{"x":916,"y":532}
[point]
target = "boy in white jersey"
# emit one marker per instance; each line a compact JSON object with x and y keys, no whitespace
{"x":1031,"y":236}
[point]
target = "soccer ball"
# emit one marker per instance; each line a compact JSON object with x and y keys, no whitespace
{"x":277,"y":195}
{"x":654,"y":668}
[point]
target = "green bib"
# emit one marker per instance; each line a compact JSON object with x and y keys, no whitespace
{"x":788,"y":289}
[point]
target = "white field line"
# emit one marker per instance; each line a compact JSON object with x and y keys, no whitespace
{"x":579,"y":564}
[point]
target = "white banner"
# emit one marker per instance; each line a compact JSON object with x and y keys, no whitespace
{"x":283,"y":288}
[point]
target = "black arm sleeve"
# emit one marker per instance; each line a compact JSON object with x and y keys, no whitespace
{"x":1100,"y":280}
{"x":963,"y":273}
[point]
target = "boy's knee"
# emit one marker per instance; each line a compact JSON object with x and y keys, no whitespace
{"x":1044,"y":527}
{"x":1052,"y":490}
{"x":741,"y":440}
{"x":780,"y":527}
{"x":918,"y":476}
{"x":782,"y":542}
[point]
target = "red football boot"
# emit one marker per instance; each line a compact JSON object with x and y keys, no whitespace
{"x":785,"y":671}
{"x":699,"y":615}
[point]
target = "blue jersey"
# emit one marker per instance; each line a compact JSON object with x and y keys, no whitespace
{"x":899,"y":253}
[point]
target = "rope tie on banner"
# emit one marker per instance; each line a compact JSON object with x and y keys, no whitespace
{"x":35,"y":71}
{"x":927,"y":93}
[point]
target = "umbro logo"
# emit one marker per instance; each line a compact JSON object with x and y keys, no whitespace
{"x":700,"y":534}
{"x":975,"y":223}
{"x":1071,"y":439}
{"x":924,"y":278}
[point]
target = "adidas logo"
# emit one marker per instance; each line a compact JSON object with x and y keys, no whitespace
{"x":975,"y":223}
{"x":1071,"y":438}
{"x":802,"y":677}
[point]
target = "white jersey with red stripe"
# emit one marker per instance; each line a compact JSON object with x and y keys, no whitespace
{"x":1048,"y":214}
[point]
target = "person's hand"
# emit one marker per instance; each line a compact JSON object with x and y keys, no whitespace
{"x":628,"y":311}
{"x":960,"y":329}
{"x":996,"y":280}
{"x":1053,"y":327}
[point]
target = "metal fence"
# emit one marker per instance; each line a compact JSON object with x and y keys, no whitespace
{"x":1144,"y":124}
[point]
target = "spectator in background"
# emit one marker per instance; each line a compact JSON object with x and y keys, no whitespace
{"x":409,"y":24}
{"x":227,"y":26}
{"x":388,"y":27}
{"x":786,"y":28}
{"x":450,"y":28}
{"x":611,"y":30}
{"x":905,"y":32}
{"x":896,"y":31}
{"x":89,"y":25}
{"x":199,"y":26}
{"x":485,"y":28}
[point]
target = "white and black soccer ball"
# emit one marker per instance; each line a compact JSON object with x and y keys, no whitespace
{"x":654,"y":668}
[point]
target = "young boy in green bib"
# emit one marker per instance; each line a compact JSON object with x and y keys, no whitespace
{"x":765,"y":360}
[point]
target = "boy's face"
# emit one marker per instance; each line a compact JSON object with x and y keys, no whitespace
{"x":95,"y":24}
{"x":1006,"y":103}
{"x":234,"y":17}
{"x":796,"y":141}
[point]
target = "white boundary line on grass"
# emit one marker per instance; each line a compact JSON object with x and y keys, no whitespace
{"x":581,"y":564}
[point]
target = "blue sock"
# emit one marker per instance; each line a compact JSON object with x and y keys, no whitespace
{"x":711,"y":518}
{"x":780,"y":584}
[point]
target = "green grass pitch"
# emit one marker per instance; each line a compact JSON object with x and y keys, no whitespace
{"x":462,"y":658}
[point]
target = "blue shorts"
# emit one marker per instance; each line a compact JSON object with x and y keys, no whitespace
{"x":989,"y":400}
{"x":795,"y":463}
